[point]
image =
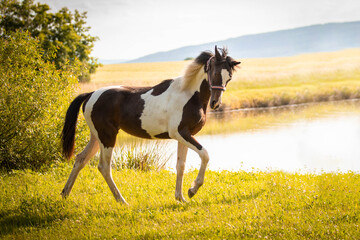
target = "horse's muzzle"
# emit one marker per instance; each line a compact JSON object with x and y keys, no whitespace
{"x":215,"y":99}
{"x":215,"y":104}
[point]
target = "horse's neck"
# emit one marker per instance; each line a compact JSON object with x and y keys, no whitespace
{"x":201,"y":85}
{"x":204,"y":94}
{"x":197,"y":84}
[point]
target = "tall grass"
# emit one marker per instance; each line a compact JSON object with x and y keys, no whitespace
{"x":142,"y":155}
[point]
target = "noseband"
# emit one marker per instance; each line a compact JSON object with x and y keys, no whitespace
{"x":221,"y":88}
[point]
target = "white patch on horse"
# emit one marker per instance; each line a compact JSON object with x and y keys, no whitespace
{"x":163,"y":113}
{"x":225,"y":76}
{"x":89,"y":107}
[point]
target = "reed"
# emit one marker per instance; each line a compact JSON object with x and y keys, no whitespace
{"x":143,"y":155}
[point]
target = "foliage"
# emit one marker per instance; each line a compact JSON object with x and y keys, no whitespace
{"x":230,"y":205}
{"x":63,"y":30}
{"x":33,"y":101}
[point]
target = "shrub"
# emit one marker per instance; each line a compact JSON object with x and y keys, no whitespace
{"x":33,"y":101}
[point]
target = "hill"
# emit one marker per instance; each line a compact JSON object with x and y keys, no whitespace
{"x":315,"y":38}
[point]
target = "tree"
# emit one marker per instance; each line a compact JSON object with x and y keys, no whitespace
{"x":33,"y":101}
{"x":64,"y":31}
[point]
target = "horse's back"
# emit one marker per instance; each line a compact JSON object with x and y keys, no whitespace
{"x":112,"y":108}
{"x":146,"y":112}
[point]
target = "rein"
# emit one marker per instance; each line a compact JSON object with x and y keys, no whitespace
{"x":221,"y":88}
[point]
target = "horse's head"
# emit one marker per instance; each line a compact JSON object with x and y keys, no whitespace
{"x":219,"y":69}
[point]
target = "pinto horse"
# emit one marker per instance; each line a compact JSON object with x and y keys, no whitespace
{"x":173,"y":109}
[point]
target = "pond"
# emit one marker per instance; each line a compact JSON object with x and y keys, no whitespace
{"x":311,"y":138}
{"x":311,"y":146}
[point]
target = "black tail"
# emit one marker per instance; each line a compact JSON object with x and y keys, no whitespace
{"x":68,"y":132}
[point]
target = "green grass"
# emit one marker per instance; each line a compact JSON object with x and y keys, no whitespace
{"x":230,"y":205}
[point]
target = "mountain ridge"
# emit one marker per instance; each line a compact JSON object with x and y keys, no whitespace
{"x":281,"y":43}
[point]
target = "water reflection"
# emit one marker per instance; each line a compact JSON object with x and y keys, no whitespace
{"x":327,"y":143}
{"x":310,"y":146}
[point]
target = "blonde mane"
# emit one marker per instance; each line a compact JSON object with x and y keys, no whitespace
{"x":195,"y":72}
{"x":191,"y":74}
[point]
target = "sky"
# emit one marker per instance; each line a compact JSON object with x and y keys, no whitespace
{"x":131,"y":29}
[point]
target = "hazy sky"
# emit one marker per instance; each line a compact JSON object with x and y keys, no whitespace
{"x":130,"y":29}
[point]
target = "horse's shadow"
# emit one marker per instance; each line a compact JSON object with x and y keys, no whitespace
{"x":24,"y":215}
{"x":236,"y":199}
{"x":40,"y":213}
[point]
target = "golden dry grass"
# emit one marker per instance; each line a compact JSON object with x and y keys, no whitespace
{"x":251,"y":69}
{"x":134,"y":74}
{"x":260,"y":82}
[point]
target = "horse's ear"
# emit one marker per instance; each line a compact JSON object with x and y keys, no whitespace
{"x":217,"y":54}
{"x":234,"y":63}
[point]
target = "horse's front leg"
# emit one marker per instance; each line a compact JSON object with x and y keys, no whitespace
{"x":199,"y":181}
{"x":180,"y":167}
{"x":184,"y":137}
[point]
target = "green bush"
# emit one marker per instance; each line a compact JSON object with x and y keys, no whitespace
{"x":33,"y":101}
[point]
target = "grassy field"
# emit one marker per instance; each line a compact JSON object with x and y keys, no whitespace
{"x":230,"y":205}
{"x":260,"y":82}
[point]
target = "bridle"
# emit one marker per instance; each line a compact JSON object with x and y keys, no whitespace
{"x":221,"y":88}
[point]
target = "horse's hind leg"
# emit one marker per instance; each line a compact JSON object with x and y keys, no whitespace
{"x":105,"y":169}
{"x":180,"y":167}
{"x":80,"y":161}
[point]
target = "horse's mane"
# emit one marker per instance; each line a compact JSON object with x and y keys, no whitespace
{"x":193,"y":68}
{"x":199,"y":62}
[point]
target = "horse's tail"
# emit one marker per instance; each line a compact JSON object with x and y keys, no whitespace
{"x":68,"y":132}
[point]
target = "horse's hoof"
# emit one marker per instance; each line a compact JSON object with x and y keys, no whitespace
{"x":122,"y":201}
{"x":190,"y":193}
{"x":181,"y":199}
{"x":63,"y":194}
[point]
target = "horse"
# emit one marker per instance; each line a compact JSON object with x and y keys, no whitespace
{"x":173,"y":109}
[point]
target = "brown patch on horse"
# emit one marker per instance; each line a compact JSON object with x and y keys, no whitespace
{"x":110,"y":113}
{"x":164,"y":135}
{"x":194,"y":114}
{"x":161,"y":87}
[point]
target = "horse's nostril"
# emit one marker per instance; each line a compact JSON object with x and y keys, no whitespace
{"x":212,"y":104}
